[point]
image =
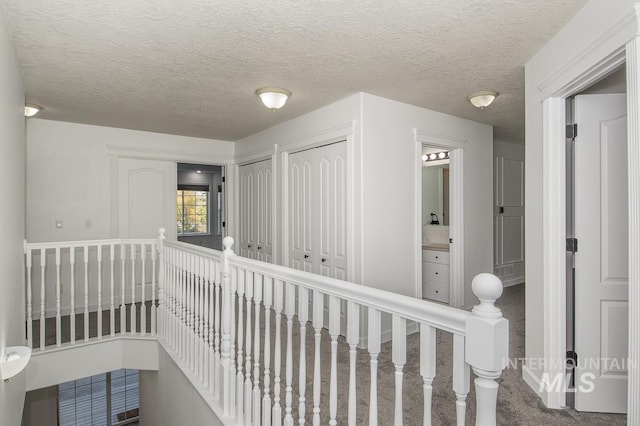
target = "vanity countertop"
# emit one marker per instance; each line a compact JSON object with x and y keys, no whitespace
{"x":436,"y":246}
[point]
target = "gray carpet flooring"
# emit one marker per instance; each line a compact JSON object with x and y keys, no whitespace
{"x":517,"y":403}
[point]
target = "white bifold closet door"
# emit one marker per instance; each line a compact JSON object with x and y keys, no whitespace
{"x":256,"y":231}
{"x":318,"y":210}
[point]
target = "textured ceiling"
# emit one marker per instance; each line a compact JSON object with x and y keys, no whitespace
{"x":191,"y":67}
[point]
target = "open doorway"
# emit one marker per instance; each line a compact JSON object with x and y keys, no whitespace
{"x":200,"y":205}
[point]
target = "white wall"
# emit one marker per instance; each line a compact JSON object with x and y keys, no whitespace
{"x":12,"y":207}
{"x":384,"y":184}
{"x":582,"y":44}
{"x":389,"y":188}
{"x":68,"y":173}
{"x":168,"y":398}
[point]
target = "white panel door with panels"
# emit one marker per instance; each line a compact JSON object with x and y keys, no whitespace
{"x":146,"y":198}
{"x":509,"y":220}
{"x":318,"y":210}
{"x":256,"y":230}
{"x":601,"y":261}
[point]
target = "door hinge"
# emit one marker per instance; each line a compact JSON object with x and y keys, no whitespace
{"x":572,"y":359}
{"x":224,"y":224}
{"x":223,"y":179}
{"x":572,"y":245}
{"x":571,"y":131}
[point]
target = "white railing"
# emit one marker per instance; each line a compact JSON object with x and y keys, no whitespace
{"x":218,"y":323}
{"x":220,"y":317}
{"x":68,"y":281}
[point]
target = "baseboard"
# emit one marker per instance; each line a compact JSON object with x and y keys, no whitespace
{"x":534,"y":383}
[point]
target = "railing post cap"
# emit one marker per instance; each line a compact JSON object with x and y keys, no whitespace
{"x":227,"y":242}
{"x":162,"y":231}
{"x":488,"y":288}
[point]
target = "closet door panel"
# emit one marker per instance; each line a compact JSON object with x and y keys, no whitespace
{"x":301,"y":226}
{"x":245,"y":209}
{"x":263,"y":211}
{"x":331,"y":236}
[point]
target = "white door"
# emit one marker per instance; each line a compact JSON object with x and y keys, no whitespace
{"x":301,"y":210}
{"x":601,"y":262}
{"x":247,"y":211}
{"x":508,"y":213}
{"x":263,"y":212}
{"x":331,"y":208}
{"x":146,"y":198}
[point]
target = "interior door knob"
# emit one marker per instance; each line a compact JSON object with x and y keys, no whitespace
{"x":324,"y":260}
{"x":306,"y":256}
{"x":259,"y":247}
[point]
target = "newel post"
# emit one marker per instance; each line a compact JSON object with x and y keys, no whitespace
{"x":225,"y":346}
{"x":161,"y":284}
{"x":487,"y":345}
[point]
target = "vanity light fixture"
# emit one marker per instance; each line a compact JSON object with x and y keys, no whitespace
{"x":436,"y":156}
{"x":30,"y":110}
{"x":482,"y":99}
{"x":273,"y":97}
{"x":13,"y":361}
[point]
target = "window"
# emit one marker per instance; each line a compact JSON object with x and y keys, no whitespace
{"x":192,"y":204}
{"x":88,"y":401}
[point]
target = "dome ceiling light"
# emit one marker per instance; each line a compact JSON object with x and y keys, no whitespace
{"x":482,"y":99}
{"x":273,"y":97}
{"x":30,"y":110}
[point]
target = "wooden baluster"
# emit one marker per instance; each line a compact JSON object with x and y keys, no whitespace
{"x":399,"y":358}
{"x":278,"y":303}
{"x":43,"y":262}
{"x":202,"y":305}
{"x":183,"y":306}
{"x":99,"y":311}
{"x":303,"y":317}
{"x":212,"y":360}
{"x":196,"y":315}
{"x":240,"y":355}
{"x":257,"y":398}
{"x":205,"y":313}
{"x":353,"y":337}
{"x":427,"y":367}
{"x":334,"y":332}
{"x":248,"y":406}
{"x":173,"y":256}
{"x":191,"y":332}
{"x":58,"y":317}
{"x":123,"y":309}
{"x":72,"y":294}
{"x":143,"y":284}
{"x":318,"y":323}
{"x":290,"y":310}
{"x":133,"y":290}
{"x":217,"y":337}
{"x":233,"y":361}
{"x":85,"y":258}
{"x":29,"y":300}
{"x":112,"y":307}
{"x":266,"y":399}
{"x":226,"y":318}
{"x":154,"y":283}
{"x":461,"y":378}
{"x":373,"y":344}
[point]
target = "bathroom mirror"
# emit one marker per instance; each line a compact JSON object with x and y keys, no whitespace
{"x":435,"y":194}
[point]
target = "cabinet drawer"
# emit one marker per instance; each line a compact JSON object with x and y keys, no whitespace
{"x":435,"y":256}
{"x":435,"y":272}
{"x":437,"y":291}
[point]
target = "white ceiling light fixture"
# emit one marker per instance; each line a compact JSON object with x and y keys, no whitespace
{"x":30,"y":110}
{"x":273,"y":97}
{"x":482,"y":99}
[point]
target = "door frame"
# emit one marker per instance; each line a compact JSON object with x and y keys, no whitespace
{"x":555,"y":91}
{"x":456,"y":215}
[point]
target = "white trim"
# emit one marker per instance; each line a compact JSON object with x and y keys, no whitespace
{"x":456,"y":224}
{"x":534,"y":383}
{"x":512,"y":281}
{"x":554,"y":234}
{"x":633,"y":155}
{"x":177,"y":155}
{"x":321,"y":137}
{"x":255,"y":157}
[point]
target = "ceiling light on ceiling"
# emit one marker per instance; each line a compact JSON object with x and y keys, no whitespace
{"x":30,"y":110}
{"x":273,"y":97}
{"x":482,"y":99}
